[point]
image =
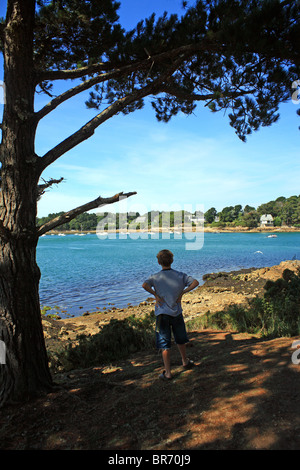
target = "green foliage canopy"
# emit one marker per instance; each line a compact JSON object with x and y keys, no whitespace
{"x":237,"y":56}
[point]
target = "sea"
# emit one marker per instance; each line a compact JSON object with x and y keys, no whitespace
{"x":87,"y":273}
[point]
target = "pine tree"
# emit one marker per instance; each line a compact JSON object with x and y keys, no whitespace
{"x":231,"y":55}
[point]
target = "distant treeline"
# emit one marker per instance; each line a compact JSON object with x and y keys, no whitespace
{"x":285,"y":211}
{"x":85,"y":221}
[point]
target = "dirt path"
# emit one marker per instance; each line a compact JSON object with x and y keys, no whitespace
{"x":243,"y":394}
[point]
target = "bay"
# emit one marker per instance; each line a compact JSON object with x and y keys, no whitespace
{"x":83,"y":273}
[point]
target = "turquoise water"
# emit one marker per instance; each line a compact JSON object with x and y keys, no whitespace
{"x":88,"y":272}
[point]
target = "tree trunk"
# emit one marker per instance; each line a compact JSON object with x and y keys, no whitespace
{"x":26,"y":371}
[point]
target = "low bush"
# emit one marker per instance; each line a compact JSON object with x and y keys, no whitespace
{"x":276,"y":314}
{"x":116,"y":340}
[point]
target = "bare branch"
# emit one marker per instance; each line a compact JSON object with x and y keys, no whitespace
{"x":67,"y":216}
{"x":42,"y":187}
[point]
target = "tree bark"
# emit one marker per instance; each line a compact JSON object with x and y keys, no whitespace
{"x":26,"y":370}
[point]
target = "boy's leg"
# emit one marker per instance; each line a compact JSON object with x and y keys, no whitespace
{"x":163,"y":342}
{"x":181,"y":338}
{"x":182,"y":350}
{"x":166,"y":355}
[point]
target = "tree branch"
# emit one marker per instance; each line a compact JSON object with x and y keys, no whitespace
{"x":42,"y":187}
{"x":115,"y":73}
{"x":188,"y":49}
{"x":88,"y":129}
{"x":50,"y":75}
{"x":67,"y":216}
{"x":85,"y":86}
{"x":180,"y":94}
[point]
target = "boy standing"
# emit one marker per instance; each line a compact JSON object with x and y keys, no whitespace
{"x":168,"y":286}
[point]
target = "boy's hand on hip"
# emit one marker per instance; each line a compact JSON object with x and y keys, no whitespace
{"x":159,"y":300}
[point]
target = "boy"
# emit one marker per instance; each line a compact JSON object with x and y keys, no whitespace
{"x":168,"y":286}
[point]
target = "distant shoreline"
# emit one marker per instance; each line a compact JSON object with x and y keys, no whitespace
{"x":239,"y":229}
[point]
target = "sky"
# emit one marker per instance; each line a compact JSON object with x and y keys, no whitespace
{"x":189,"y":163}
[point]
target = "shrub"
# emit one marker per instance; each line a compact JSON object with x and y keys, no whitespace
{"x":116,"y":340}
{"x":276,"y":314}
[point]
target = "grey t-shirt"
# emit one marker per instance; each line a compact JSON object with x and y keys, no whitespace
{"x":169,"y":284}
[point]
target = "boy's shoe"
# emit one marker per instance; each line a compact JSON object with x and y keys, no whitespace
{"x":189,"y":365}
{"x":163,"y":376}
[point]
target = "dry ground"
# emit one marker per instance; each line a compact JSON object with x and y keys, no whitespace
{"x":242,"y":394}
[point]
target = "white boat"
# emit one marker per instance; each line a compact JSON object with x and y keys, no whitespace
{"x":272,"y":236}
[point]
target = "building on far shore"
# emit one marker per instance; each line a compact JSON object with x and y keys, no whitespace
{"x":266,"y":220}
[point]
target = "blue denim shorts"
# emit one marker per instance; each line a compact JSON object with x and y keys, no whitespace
{"x":165,"y":325}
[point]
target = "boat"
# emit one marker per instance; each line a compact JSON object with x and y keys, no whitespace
{"x":272,"y":236}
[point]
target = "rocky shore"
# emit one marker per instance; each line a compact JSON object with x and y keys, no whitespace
{"x":218,"y":291}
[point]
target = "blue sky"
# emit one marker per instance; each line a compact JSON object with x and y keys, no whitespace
{"x":190,"y":161}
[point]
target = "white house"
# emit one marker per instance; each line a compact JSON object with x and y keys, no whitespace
{"x":198,"y":218}
{"x":142,"y":219}
{"x":266,"y":220}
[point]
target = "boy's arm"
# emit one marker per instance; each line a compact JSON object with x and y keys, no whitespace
{"x":192,"y":286}
{"x":152,"y":291}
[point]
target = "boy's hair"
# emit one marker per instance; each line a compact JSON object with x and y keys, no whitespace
{"x":165,"y":257}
